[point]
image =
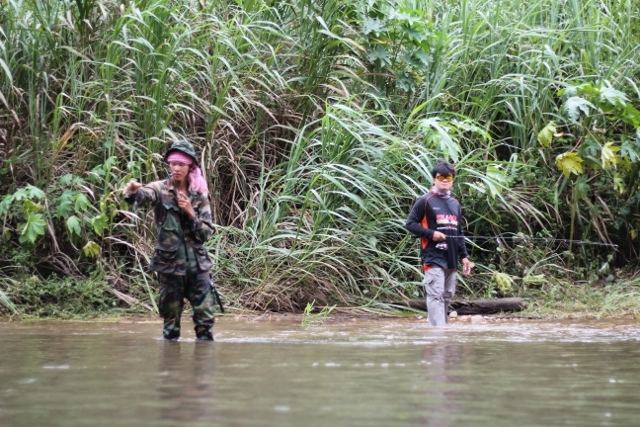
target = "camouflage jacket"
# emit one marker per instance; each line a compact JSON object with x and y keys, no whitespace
{"x":180,"y":239}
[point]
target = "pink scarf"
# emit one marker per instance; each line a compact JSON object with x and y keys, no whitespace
{"x":441,"y":194}
{"x":197,"y":183}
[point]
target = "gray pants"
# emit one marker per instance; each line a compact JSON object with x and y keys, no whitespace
{"x":440,"y":286}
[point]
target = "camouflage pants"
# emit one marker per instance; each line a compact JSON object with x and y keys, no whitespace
{"x":197,"y":288}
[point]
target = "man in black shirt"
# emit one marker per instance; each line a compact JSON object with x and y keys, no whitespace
{"x":436,"y":218}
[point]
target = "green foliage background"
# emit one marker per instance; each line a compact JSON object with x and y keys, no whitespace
{"x":318,"y":123}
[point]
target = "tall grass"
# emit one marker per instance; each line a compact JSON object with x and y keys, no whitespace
{"x":5,"y":301}
{"x":318,"y":122}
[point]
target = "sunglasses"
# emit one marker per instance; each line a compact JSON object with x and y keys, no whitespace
{"x":444,"y":178}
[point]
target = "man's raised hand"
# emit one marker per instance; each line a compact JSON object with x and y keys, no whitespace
{"x":185,"y":205}
{"x":131,"y":188}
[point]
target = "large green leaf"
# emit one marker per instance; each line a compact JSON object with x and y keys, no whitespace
{"x":613,"y":96}
{"x":631,"y":151}
{"x":379,"y":54}
{"x":99,"y":223}
{"x":631,"y":115}
{"x":34,"y":192}
{"x":618,"y":184}
{"x":609,"y":156}
{"x":576,"y":105}
{"x":29,"y":192}
{"x":33,"y":229}
{"x":82,"y":203}
{"x":73,"y":225}
{"x":438,"y":133}
{"x":71,"y":180}
{"x":5,"y":204}
{"x":370,"y":25}
{"x":91,"y":249}
{"x":65,"y":203}
{"x":468,"y":125}
{"x":495,"y":179}
{"x":29,"y":206}
{"x":569,"y":163}
{"x":545,"y":136}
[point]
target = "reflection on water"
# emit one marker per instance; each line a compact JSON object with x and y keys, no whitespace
{"x":183,"y":382}
{"x":362,"y":372}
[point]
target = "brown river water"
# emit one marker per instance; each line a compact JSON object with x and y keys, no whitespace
{"x":346,"y":372}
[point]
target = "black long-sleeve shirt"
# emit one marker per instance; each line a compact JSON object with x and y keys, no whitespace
{"x":430,"y":213}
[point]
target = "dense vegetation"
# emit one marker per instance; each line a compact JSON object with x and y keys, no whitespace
{"x":318,"y":122}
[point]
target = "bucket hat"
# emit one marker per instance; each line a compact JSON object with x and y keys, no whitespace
{"x":183,"y":146}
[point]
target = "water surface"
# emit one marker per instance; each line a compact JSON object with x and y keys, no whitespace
{"x":362,"y":372}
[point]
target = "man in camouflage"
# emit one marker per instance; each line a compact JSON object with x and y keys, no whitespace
{"x":183,"y":224}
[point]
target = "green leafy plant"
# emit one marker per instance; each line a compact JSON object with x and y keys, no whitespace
{"x":602,"y":132}
{"x":26,"y":207}
{"x":402,"y":46}
{"x":5,"y":302}
{"x":61,"y":297}
{"x":312,"y":317}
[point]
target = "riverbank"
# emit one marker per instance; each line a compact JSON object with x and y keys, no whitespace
{"x":353,"y":314}
{"x":94,"y":299}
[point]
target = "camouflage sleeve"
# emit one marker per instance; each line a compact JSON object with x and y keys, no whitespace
{"x":147,"y":194}
{"x":202,"y":225}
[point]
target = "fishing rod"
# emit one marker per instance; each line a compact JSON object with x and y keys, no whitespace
{"x":536,"y":239}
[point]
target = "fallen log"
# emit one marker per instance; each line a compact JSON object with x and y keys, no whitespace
{"x":479,"y":306}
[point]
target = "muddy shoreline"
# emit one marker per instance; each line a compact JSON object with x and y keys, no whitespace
{"x":350,"y":315}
